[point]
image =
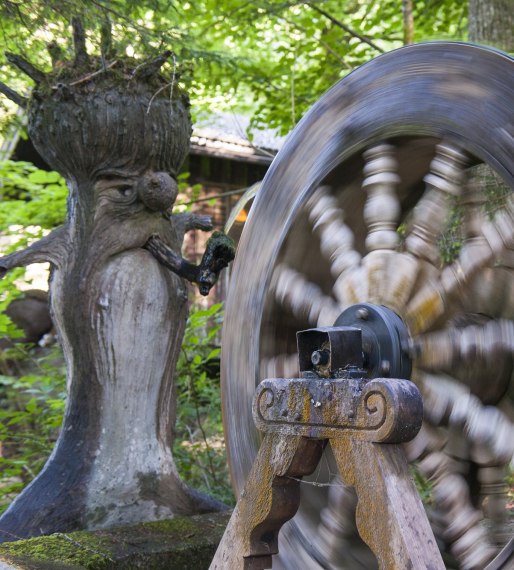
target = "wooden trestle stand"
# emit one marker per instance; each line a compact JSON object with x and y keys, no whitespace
{"x":364,"y":421}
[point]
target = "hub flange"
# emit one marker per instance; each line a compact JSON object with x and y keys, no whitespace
{"x":385,"y":340}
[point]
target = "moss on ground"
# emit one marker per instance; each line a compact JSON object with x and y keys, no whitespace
{"x":185,"y":543}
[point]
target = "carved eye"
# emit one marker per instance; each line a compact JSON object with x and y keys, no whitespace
{"x":125,"y":191}
{"x":116,"y":189}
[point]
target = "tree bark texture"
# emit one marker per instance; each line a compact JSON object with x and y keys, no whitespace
{"x":492,"y":22}
{"x":408,"y":22}
{"x":118,"y":138}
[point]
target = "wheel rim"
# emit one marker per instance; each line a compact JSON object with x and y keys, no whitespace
{"x":404,"y":115}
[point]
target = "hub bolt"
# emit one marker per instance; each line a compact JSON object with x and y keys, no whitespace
{"x":385,"y":367}
{"x":320,"y":357}
{"x":362,"y":314}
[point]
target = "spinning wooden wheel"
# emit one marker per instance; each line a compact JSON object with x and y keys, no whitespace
{"x":394,"y":191}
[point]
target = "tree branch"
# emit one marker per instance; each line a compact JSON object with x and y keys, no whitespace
{"x":344,"y":27}
{"x":23,"y":65}
{"x":151,"y":67}
{"x":56,"y":53}
{"x":91,"y":75}
{"x":13,"y":95}
{"x":48,"y":249}
{"x":322,"y":42}
{"x":79,"y":41}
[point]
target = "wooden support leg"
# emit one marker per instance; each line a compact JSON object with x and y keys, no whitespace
{"x":390,"y":516}
{"x":270,"y":498}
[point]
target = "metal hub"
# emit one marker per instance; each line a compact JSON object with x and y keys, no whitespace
{"x":385,"y":340}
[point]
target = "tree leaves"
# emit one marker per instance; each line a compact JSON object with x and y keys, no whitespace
{"x":273,"y":58}
{"x":30,"y":196}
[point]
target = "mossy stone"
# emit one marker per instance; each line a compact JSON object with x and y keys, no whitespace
{"x":183,"y":543}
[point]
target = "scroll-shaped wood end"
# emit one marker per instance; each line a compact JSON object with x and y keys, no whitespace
{"x":382,"y":410}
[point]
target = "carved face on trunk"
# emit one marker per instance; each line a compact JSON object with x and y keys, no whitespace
{"x":119,"y":149}
{"x":156,"y":191}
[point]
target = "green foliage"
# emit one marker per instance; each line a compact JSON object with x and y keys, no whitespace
{"x":191,"y":191}
{"x":30,"y":417}
{"x":283,"y":55}
{"x":450,"y":241}
{"x":270,"y":58}
{"x":423,"y":485}
{"x":199,"y":450}
{"x":30,"y":197}
{"x":493,"y":188}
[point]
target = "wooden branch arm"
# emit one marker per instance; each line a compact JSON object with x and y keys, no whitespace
{"x":185,"y":222}
{"x":218,"y":254}
{"x":48,"y":249}
{"x":172,"y":260}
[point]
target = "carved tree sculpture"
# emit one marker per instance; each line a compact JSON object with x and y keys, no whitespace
{"x":113,"y":130}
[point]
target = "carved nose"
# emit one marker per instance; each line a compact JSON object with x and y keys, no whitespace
{"x":157,"y":190}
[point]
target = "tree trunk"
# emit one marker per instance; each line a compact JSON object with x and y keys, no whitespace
{"x":118,"y":137}
{"x":492,"y":22}
{"x":408,"y":22}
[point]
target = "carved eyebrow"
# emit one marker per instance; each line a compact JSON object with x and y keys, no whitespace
{"x":115,"y":180}
{"x":114,"y":183}
{"x":116,"y":173}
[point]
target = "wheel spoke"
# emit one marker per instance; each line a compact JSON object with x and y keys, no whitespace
{"x":280,"y":366}
{"x":352,"y":287}
{"x":455,"y":517}
{"x":389,"y":275}
{"x":493,"y":497}
{"x":466,"y":537}
{"x":382,"y":208}
{"x":337,"y":531}
{"x":489,"y":430}
{"x":445,"y":349}
{"x":305,"y":299}
{"x":336,"y":238}
{"x":439,"y":394}
{"x":443,"y":182}
{"x":449,"y":403}
{"x":494,"y":245}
